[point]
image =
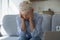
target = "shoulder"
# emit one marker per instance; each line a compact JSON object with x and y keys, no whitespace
{"x":38,"y":16}
{"x":18,"y":18}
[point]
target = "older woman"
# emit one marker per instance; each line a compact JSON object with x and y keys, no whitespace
{"x":28,"y":22}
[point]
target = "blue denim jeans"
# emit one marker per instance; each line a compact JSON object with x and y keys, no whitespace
{"x":25,"y":38}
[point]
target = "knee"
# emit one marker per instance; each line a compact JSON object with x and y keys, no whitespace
{"x":35,"y":38}
{"x":22,"y":38}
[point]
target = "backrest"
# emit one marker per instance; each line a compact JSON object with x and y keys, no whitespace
{"x":9,"y":24}
{"x":46,"y":23}
{"x":56,"y":22}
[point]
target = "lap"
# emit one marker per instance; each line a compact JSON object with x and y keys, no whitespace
{"x":23,"y":38}
{"x":35,"y":38}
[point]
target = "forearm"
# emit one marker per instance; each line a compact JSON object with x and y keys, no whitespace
{"x":31,"y":25}
{"x":23,"y":28}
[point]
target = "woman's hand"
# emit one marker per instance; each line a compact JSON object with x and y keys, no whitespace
{"x":23,"y":28}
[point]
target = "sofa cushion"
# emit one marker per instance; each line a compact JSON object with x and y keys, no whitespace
{"x":55,"y":22}
{"x":9,"y":24}
{"x":46,"y":23}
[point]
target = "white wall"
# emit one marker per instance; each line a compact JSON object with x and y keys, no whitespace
{"x":0,"y":4}
{"x":0,"y":10}
{"x":45,"y":5}
{"x":8,"y":8}
{"x":14,"y":6}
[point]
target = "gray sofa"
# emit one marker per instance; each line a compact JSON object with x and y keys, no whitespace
{"x":10,"y":26}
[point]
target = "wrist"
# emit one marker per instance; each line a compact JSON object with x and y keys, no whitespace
{"x":23,"y":28}
{"x":30,"y":19}
{"x":23,"y":20}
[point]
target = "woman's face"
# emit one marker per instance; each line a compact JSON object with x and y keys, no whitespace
{"x":26,"y":14}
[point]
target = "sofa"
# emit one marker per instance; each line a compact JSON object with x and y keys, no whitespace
{"x":49,"y":23}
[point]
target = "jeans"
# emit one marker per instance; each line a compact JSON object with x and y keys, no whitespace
{"x":25,"y":38}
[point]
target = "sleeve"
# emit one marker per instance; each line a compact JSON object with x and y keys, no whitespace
{"x":20,"y":33}
{"x":38,"y":28}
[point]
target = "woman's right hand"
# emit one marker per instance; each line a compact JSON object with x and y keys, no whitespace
{"x":23,"y":28}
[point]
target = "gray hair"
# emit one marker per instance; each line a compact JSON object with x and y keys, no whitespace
{"x":25,"y":5}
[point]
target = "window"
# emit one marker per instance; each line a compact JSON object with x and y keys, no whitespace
{"x":9,"y":7}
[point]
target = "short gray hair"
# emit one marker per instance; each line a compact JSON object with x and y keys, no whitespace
{"x":25,"y":5}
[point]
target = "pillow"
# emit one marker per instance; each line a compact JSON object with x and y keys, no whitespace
{"x":57,"y":28}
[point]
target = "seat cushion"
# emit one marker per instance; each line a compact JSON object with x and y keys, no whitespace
{"x":9,"y":38}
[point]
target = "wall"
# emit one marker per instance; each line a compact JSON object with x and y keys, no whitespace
{"x":0,"y":10}
{"x":45,"y":5}
{"x":38,"y":5}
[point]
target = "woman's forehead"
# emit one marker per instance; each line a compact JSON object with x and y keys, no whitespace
{"x":25,"y":11}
